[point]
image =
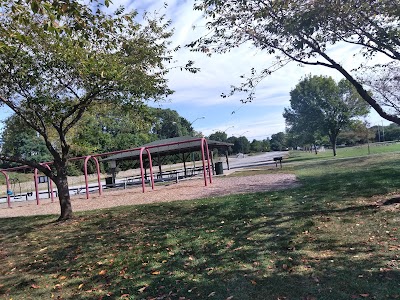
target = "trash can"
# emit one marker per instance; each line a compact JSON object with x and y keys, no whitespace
{"x":109,"y":181}
{"x":219,"y":169}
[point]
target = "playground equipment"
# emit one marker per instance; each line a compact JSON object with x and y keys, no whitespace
{"x":202,"y":142}
{"x":14,"y":182}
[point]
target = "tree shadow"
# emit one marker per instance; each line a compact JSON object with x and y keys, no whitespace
{"x":392,"y":201}
{"x":311,"y":242}
{"x":240,"y":247}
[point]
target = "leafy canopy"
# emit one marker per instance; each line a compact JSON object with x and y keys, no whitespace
{"x":50,"y":78}
{"x":304,"y":31}
{"x":321,"y":107}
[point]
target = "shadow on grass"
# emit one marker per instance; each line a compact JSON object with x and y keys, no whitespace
{"x":395,"y":200}
{"x":256,"y":246}
{"x":313,"y":242}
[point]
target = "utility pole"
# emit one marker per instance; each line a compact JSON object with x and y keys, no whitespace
{"x":379,"y":134}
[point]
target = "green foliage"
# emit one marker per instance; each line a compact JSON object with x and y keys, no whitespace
{"x":320,"y":107}
{"x":59,"y":59}
{"x":111,"y":128}
{"x":241,"y":145}
{"x":392,"y":132}
{"x":278,"y":141}
{"x":258,"y":146}
{"x":50,"y":80}
{"x":22,"y":142}
{"x":53,"y":13}
{"x":305,"y":32}
{"x":168,"y":124}
{"x":356,"y":133}
{"x":220,"y":136}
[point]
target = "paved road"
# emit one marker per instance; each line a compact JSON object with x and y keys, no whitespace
{"x":248,"y":161}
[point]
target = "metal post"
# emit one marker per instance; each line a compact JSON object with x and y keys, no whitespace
{"x":8,"y":188}
{"x":151,"y":169}
{"x":86,"y":175}
{"x":184,"y":163}
{"x":49,"y":184}
{"x":35,"y":176}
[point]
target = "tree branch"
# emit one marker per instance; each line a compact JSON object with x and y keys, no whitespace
{"x":29,"y":163}
{"x":363,"y":93}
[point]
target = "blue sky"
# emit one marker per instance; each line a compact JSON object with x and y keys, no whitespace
{"x":198,"y":95}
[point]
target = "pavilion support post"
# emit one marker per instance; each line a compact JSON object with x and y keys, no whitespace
{"x":194,"y":160}
{"x":159,"y":165}
{"x":184,"y":163}
{"x":227,"y":159}
{"x":212,"y":161}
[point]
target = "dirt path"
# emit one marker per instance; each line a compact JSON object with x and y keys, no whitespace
{"x":184,"y":190}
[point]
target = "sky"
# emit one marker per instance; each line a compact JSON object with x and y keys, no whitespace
{"x":197,"y":96}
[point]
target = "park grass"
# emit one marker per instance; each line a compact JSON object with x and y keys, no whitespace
{"x":346,"y":152}
{"x":337,"y":236}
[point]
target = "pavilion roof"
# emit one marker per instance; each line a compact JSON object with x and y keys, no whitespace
{"x":170,"y":146}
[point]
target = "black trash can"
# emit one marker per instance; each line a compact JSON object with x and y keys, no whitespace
{"x":109,"y":181}
{"x":219,"y":169}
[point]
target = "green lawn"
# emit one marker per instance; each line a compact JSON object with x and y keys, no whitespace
{"x":335,"y":237}
{"x":356,"y":151}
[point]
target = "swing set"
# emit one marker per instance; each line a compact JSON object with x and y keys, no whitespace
{"x":13,"y":183}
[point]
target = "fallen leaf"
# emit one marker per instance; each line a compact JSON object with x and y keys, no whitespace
{"x":34,"y":286}
{"x":62,"y":277}
{"x":211,"y":294}
{"x":229,"y":298}
{"x":364,"y":295}
{"x":253,"y":282}
{"x":155,"y":273}
{"x":141,"y":290}
{"x":103,"y":272}
{"x":80,"y":286}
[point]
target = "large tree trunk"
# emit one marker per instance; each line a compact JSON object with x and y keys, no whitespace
{"x":63,"y":193}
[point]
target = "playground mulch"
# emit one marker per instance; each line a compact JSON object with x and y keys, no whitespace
{"x":183,"y":190}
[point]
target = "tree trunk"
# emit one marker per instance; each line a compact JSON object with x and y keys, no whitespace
{"x":333,"y":139}
{"x":63,"y":193}
{"x":334,"y":148}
